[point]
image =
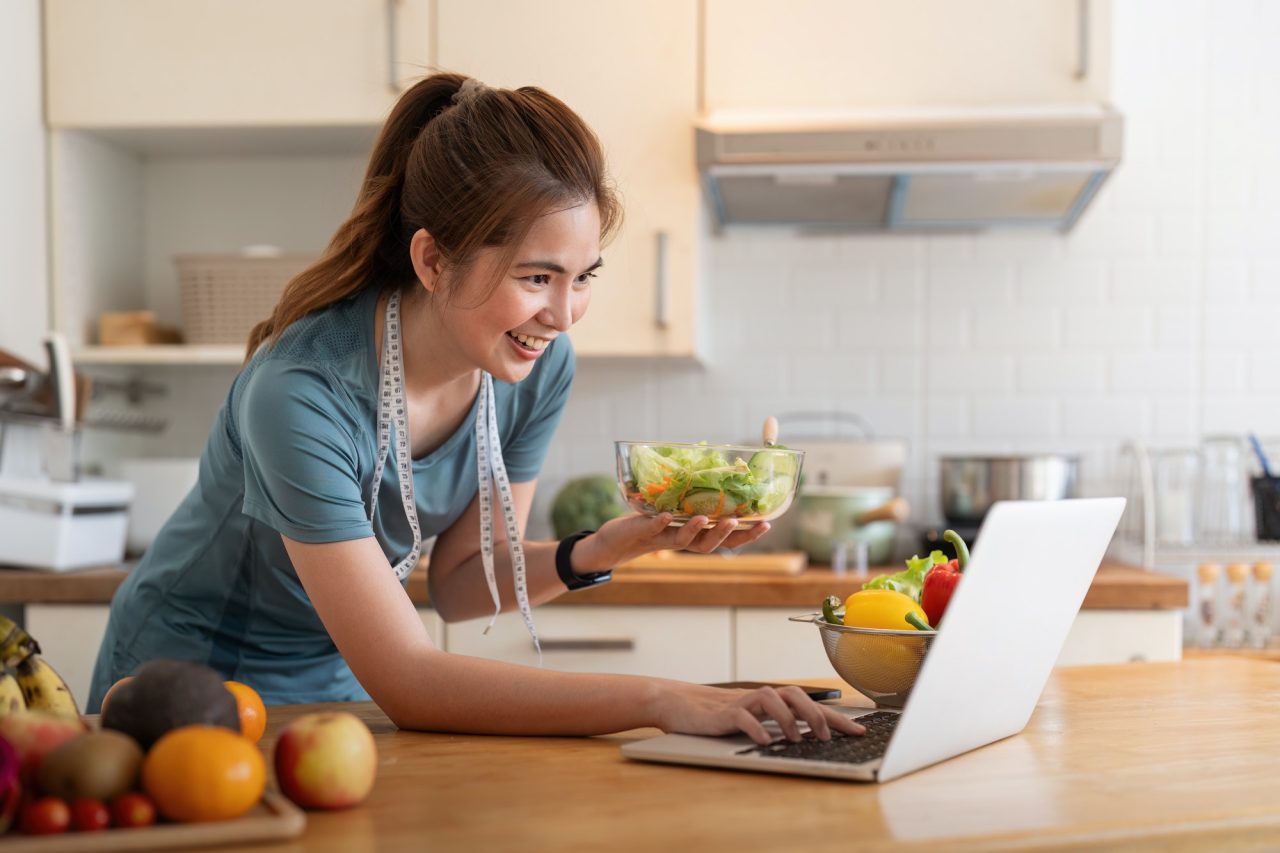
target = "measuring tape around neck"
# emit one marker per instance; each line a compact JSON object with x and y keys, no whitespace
{"x":489,"y":461}
{"x":490,"y":468}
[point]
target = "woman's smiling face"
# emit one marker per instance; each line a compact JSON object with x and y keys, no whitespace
{"x":544,"y":291}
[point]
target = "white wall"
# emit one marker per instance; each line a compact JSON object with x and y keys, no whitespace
{"x":23,"y":262}
{"x":1151,"y":320}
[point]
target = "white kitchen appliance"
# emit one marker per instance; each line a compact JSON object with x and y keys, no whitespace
{"x":984,"y":671}
{"x":51,"y":518}
{"x":50,"y":525}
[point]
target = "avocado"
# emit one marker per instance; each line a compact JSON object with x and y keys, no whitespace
{"x":166,"y":694}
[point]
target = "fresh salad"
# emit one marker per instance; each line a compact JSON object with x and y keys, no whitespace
{"x":699,"y":480}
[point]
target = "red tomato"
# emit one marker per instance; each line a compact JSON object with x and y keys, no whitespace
{"x":45,"y":816}
{"x":133,"y":810}
{"x":89,"y":815}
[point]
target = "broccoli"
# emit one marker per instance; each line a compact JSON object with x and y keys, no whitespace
{"x":585,"y":503}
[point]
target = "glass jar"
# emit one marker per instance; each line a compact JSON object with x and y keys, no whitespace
{"x":1176,"y":474}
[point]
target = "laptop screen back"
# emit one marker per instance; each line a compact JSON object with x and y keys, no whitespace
{"x":1032,"y":564}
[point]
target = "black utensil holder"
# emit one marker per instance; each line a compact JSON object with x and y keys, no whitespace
{"x":1266,"y":502}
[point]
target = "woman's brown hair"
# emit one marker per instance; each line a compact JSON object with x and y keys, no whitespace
{"x":474,"y":174}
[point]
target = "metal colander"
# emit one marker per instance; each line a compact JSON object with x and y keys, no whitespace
{"x":880,"y":664}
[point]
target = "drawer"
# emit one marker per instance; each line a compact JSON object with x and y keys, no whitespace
{"x":688,"y":643}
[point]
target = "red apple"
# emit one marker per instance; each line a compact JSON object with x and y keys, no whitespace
{"x":10,"y":785}
{"x":326,"y":760}
{"x":34,"y":734}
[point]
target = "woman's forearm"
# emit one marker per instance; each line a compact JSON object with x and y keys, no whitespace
{"x":456,"y":693}
{"x":461,"y":592}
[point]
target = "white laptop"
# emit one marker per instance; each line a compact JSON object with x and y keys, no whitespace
{"x":1032,"y":563}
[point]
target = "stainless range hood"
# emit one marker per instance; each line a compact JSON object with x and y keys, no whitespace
{"x":965,"y":170}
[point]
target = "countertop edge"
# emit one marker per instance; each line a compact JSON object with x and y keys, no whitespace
{"x":1117,"y":586}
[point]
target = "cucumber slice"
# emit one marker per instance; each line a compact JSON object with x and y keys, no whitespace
{"x":775,"y":471}
{"x":708,"y":502}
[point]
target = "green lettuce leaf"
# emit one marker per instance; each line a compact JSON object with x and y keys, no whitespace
{"x":910,"y":581}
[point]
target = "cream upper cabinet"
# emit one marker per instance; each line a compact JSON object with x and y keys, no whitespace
{"x":176,"y":63}
{"x":629,"y":68}
{"x":833,"y":55}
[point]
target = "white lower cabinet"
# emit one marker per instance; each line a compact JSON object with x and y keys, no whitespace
{"x":769,"y":648}
{"x":688,"y":643}
{"x":434,"y":625}
{"x":1123,"y":636}
{"x":69,"y":636}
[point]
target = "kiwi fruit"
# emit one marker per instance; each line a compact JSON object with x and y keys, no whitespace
{"x":100,"y":765}
{"x":167,"y":694}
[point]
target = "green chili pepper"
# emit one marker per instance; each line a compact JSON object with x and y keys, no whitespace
{"x":916,"y":622}
{"x":962,"y":550}
{"x":829,"y":605}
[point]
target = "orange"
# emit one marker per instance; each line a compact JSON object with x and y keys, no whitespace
{"x":202,"y":773}
{"x":253,"y":713}
{"x":112,"y":689}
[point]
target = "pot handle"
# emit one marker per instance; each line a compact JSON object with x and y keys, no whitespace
{"x":896,"y":509}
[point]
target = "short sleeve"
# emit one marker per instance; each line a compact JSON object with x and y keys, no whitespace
{"x":299,"y":438}
{"x":526,"y":452}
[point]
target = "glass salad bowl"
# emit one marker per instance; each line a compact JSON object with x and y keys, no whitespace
{"x":880,"y":664}
{"x":751,"y":484}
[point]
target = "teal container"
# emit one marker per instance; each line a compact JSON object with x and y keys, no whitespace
{"x":829,"y":515}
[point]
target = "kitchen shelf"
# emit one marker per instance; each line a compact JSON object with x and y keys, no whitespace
{"x":1130,"y":551}
{"x":162,"y":354}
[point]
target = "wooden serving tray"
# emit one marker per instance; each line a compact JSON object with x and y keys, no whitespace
{"x":778,"y":563}
{"x":272,"y":819}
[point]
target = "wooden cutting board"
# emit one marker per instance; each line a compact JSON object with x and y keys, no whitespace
{"x":272,"y":819}
{"x":779,"y":563}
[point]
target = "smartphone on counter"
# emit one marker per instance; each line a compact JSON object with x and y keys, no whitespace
{"x":817,"y":694}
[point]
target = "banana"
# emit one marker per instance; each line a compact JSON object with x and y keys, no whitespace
{"x":16,"y":645}
{"x":11,"y":698}
{"x":44,"y":689}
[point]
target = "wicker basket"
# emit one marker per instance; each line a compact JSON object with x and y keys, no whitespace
{"x":225,"y":296}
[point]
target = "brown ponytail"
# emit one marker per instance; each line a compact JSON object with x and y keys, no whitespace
{"x":476,"y":174}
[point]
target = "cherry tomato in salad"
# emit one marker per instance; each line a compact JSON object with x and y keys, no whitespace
{"x":133,"y":809}
{"x":45,"y":816}
{"x":89,"y":815}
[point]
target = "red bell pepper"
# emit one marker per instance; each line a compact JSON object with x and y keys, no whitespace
{"x":941,"y":581}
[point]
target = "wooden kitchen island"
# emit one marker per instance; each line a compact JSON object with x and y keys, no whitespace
{"x":1160,"y":756}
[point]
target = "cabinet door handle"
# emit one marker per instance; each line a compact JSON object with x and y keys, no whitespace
{"x":1082,"y":40}
{"x":662,"y":282}
{"x":589,"y":644}
{"x":392,"y":45}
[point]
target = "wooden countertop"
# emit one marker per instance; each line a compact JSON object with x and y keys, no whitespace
{"x":1117,"y":586}
{"x":1170,"y":757}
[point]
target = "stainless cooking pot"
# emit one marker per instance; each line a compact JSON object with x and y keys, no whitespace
{"x":829,"y":515}
{"x":971,"y":484}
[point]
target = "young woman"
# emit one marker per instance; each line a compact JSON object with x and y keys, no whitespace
{"x":406,"y":386}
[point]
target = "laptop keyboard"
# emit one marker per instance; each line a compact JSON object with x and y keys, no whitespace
{"x":850,"y":749}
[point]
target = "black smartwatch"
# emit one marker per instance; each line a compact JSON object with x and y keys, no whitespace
{"x":564,"y":568}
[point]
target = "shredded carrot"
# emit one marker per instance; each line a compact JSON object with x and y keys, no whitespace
{"x":719,"y":506}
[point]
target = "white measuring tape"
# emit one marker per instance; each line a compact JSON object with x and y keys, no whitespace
{"x":490,"y":468}
{"x":393,"y":415}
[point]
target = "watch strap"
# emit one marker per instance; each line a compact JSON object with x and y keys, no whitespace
{"x":564,"y":567}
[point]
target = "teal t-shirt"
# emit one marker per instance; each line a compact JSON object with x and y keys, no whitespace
{"x":293,"y":451}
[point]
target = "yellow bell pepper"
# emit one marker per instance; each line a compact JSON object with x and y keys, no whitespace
{"x":883,"y":608}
